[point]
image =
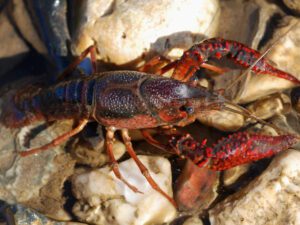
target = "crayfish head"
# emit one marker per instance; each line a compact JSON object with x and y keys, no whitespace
{"x":199,"y":105}
{"x":175,"y":103}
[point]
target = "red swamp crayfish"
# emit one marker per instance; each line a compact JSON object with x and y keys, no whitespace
{"x":125,"y":100}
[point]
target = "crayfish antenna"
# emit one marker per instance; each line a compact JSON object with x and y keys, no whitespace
{"x":248,"y":114}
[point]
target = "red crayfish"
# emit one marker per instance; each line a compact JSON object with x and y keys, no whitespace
{"x":124,"y":100}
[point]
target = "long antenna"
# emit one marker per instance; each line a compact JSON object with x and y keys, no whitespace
{"x":247,"y":113}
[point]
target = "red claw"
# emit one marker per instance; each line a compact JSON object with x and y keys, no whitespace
{"x":234,"y":150}
{"x":199,"y":54}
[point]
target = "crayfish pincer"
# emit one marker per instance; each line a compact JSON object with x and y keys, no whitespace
{"x":118,"y":100}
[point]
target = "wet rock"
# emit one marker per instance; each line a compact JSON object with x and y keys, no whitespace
{"x":124,"y":31}
{"x":269,"y":106}
{"x":103,"y":199}
{"x":265,"y":200}
{"x":196,"y":187}
{"x":37,"y":180}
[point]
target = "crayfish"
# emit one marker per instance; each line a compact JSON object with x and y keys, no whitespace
{"x":125,"y":100}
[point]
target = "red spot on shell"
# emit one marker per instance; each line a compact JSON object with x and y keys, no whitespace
{"x":218,"y":55}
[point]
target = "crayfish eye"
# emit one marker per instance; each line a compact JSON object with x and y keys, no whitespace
{"x":187,"y":109}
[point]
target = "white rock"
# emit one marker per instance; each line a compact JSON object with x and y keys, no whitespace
{"x":270,"y":106}
{"x":193,"y":221}
{"x":103,"y":199}
{"x":222,"y":120}
{"x":293,"y":5}
{"x":272,"y":198}
{"x":126,"y":30}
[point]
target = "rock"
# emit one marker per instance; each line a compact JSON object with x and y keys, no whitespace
{"x":285,"y":54}
{"x":295,"y":98}
{"x":13,"y":49}
{"x":18,"y":214}
{"x":22,"y":18}
{"x":288,"y":123}
{"x":255,"y":29}
{"x":193,"y":221}
{"x":196,"y":188}
{"x":125,"y":31}
{"x":270,"y":106}
{"x":222,"y":120}
{"x":293,"y":5}
{"x":252,"y":22}
{"x":104,"y":199}
{"x":95,"y":155}
{"x":35,"y":181}
{"x":231,"y":175}
{"x":272,"y":198}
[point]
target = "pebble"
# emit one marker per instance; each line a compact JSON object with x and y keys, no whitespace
{"x":103,"y":199}
{"x":21,"y":215}
{"x":123,"y":34}
{"x":293,"y":5}
{"x":222,"y":120}
{"x":193,"y":221}
{"x":35,"y":181}
{"x":271,"y":105}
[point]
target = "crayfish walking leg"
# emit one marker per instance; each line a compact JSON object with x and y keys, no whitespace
{"x":57,"y":141}
{"x":90,"y":50}
{"x":143,"y":169}
{"x":115,"y":166}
